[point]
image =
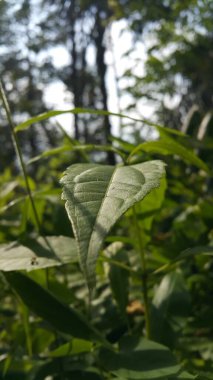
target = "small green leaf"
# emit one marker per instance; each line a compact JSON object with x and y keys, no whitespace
{"x":185,"y":376}
{"x":37,"y":254}
{"x":51,"y":152}
{"x":74,"y":347}
{"x":191,"y":252}
{"x":97,"y":196}
{"x":187,"y":254}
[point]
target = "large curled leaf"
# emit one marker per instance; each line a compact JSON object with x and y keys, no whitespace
{"x":96,"y":197}
{"x":37,"y":254}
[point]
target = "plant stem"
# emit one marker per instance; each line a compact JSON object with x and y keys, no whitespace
{"x":72,"y":141}
{"x":18,"y":152}
{"x":100,"y":148}
{"x":26,"y":324}
{"x":118,"y":264}
{"x":144,"y":274}
{"x":21,"y":160}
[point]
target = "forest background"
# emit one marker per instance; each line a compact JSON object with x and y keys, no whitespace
{"x":150,"y":61}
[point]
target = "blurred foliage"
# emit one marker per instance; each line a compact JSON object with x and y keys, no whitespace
{"x":175,"y":40}
{"x":178,"y":43}
{"x":50,"y":328}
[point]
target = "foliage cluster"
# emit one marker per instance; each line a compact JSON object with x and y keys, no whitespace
{"x":125,"y":291}
{"x":167,"y":66}
{"x":150,"y":314}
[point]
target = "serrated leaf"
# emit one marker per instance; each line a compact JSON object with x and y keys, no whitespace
{"x":96,"y":197}
{"x":37,"y":254}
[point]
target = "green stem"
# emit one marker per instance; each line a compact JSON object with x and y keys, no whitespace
{"x":90,"y":147}
{"x":21,"y":160}
{"x":18,"y":152}
{"x":100,"y":148}
{"x":72,"y":141}
{"x":144,"y":274}
{"x":118,"y":264}
{"x":26,"y":324}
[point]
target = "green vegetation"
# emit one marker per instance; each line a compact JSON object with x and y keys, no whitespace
{"x":146,"y":239}
{"x":106,"y":239}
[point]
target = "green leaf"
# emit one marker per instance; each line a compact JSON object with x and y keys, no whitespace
{"x":45,"y":305}
{"x":146,"y":211}
{"x":75,"y":347}
{"x":187,"y":254}
{"x":172,"y":296}
{"x":51,"y":152}
{"x":119,"y":282}
{"x":42,"y":338}
{"x":169,"y":146}
{"x":76,"y":148}
{"x":185,"y":376}
{"x":37,"y":254}
{"x":171,"y":306}
{"x":97,"y":196}
{"x":48,"y":115}
{"x":140,"y":358}
{"x":191,"y":252}
{"x":54,"y":370}
{"x":122,"y":144}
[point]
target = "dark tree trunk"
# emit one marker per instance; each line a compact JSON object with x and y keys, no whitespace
{"x":75,"y":85}
{"x":101,"y":67}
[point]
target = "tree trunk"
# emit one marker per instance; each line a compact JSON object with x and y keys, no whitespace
{"x":75,"y":85}
{"x":101,"y":67}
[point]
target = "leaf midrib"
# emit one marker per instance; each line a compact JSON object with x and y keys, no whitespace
{"x":98,"y":214}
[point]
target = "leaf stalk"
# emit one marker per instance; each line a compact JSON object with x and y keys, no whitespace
{"x":144,"y":275}
{"x":21,"y":160}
